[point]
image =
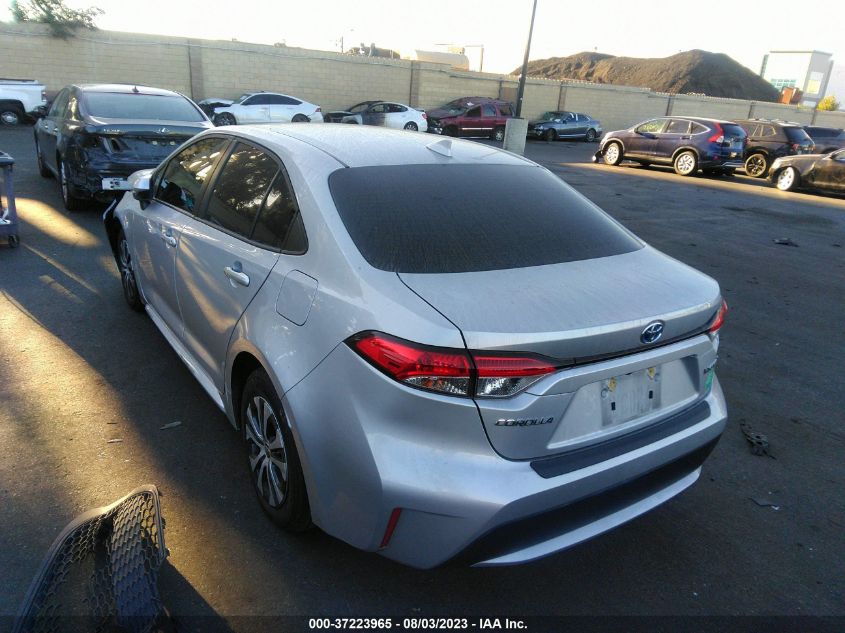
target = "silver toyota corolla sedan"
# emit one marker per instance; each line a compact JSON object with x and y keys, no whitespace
{"x":433,"y":348}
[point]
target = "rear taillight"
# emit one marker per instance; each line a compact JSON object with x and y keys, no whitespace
{"x":451,"y":371}
{"x":719,"y":319}
{"x":719,"y":136}
{"x":507,"y":375}
{"x":424,"y":115}
{"x":319,"y":109}
{"x":44,"y":95}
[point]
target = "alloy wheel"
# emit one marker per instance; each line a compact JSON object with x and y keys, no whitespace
{"x":267,"y":454}
{"x":611,"y":155}
{"x":786,"y":179}
{"x":685,"y":163}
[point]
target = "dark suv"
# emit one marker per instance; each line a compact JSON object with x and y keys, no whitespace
{"x":827,"y":139}
{"x":769,"y":139}
{"x":686,"y":143}
{"x":95,"y":136}
{"x":471,"y":116}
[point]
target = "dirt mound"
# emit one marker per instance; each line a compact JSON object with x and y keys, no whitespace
{"x":691,"y":72}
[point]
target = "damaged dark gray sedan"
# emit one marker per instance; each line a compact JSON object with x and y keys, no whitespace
{"x":95,"y":136}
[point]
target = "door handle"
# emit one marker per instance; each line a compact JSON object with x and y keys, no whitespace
{"x":685,"y":138}
{"x":168,"y":239}
{"x":235,"y":273}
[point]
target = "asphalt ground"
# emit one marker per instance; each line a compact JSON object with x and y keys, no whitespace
{"x":757,"y":535}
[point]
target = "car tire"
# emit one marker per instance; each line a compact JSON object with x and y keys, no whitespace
{"x":272,"y":458}
{"x":300,"y":118}
{"x":591,"y":136}
{"x":613,"y":154}
{"x":127,"y":274}
{"x":11,"y":115}
{"x":685,"y":163}
{"x":550,"y":135}
{"x":756,"y":165}
{"x":39,"y":159}
{"x":411,"y":126}
{"x":498,"y":134}
{"x":787,"y":179}
{"x":69,"y":199}
{"x":224,"y":118}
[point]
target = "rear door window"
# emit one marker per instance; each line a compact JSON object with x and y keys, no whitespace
{"x":463,"y":218}
{"x":59,"y":106}
{"x":240,"y":189}
{"x":488,"y":110}
{"x":279,"y":226}
{"x":180,"y":184}
{"x":677,"y":126}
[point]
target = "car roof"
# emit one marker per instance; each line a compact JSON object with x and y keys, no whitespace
{"x":696,"y":118}
{"x":127,"y":89}
{"x":364,"y":146}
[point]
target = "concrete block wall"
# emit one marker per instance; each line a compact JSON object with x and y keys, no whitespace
{"x":617,"y":107}
{"x":218,"y":68}
{"x":712,"y":108}
{"x":28,"y":52}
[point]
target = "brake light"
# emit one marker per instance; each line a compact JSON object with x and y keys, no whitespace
{"x":450,"y":371}
{"x":719,"y":319}
{"x":424,"y":115}
{"x":719,"y":136}
{"x":319,"y":109}
{"x":391,"y":526}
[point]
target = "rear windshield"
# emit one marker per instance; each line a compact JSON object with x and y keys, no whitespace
{"x":465,"y":218}
{"x":731,"y":130}
{"x":116,"y":105}
{"x":796,"y":134}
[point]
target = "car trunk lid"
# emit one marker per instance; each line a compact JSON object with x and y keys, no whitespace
{"x":588,"y":316}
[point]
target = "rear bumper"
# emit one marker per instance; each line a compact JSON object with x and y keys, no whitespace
{"x":393,"y":447}
{"x":88,"y":180}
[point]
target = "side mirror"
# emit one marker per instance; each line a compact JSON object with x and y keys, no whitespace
{"x":39,"y":112}
{"x":139,"y":184}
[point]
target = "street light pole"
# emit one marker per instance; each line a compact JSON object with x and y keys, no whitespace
{"x":520,"y":91}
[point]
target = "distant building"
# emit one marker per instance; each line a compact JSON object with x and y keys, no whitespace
{"x":808,"y":71}
{"x":836,"y":85}
{"x":455,"y":60}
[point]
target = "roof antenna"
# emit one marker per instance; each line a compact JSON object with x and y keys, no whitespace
{"x":135,"y":89}
{"x":442,"y":147}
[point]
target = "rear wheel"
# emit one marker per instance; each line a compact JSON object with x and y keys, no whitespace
{"x":756,"y":165}
{"x":11,"y":115}
{"x":686,"y":163}
{"x":613,"y":154}
{"x":550,"y":135}
{"x":411,"y":126}
{"x":591,"y":136}
{"x":787,"y":179}
{"x":71,"y":202}
{"x":224,"y":118}
{"x":499,"y":134}
{"x":272,"y":457}
{"x":127,"y":274}
{"x":300,"y":118}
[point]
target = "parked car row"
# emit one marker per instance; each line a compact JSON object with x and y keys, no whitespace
{"x":779,"y":150}
{"x":382,"y":113}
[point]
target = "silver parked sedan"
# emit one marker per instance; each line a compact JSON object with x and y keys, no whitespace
{"x":424,"y":360}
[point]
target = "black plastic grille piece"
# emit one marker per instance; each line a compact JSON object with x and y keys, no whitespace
{"x":101,"y":572}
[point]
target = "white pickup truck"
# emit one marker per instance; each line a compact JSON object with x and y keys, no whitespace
{"x":19,"y":98}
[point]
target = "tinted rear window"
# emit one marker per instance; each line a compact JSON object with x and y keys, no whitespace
{"x":464,"y":218}
{"x":796,"y":134}
{"x":733,"y":131}
{"x":115,"y":105}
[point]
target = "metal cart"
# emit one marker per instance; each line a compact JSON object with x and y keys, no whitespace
{"x":8,"y":214}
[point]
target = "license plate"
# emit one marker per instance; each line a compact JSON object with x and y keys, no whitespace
{"x":633,"y":395}
{"x":115,"y":184}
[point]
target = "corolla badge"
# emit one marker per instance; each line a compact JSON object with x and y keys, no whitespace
{"x":652,"y":332}
{"x":163,"y":130}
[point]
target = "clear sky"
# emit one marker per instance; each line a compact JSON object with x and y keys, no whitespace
{"x":653,"y":28}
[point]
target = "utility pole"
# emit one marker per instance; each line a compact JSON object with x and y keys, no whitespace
{"x":520,"y":91}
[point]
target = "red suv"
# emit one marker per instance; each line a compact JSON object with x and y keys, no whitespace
{"x":471,"y":116}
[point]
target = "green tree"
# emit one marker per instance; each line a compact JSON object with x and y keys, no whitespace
{"x":829,"y":103}
{"x":61,"y":19}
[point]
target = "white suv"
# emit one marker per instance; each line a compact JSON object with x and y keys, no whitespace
{"x":267,"y":107}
